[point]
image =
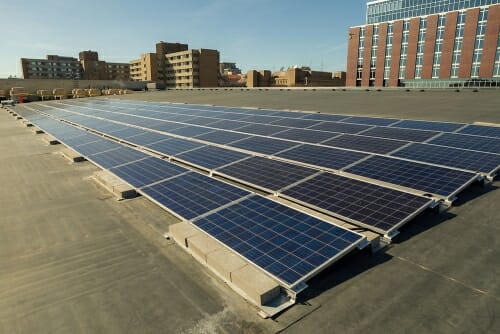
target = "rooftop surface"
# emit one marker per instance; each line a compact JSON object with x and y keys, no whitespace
{"x":76,"y":260}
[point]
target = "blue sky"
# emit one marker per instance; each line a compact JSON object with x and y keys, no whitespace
{"x":261,"y":34}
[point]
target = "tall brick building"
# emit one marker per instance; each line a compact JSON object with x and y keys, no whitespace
{"x":426,"y":43}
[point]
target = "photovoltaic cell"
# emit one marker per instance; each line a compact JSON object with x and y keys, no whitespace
{"x":468,"y":142}
{"x":127,"y":132}
{"x":366,"y":144}
{"x":400,"y":134}
{"x":428,"y":125}
{"x":173,"y":146}
{"x":340,"y":127}
{"x":327,"y":157}
{"x":370,"y":120}
{"x":481,"y":130}
{"x":116,"y":157}
{"x":286,"y":243}
{"x":305,"y":135}
{"x":266,"y":173}
{"x":451,"y":157}
{"x":221,"y":136}
{"x":191,"y":195}
{"x":147,"y":171}
{"x":377,"y":208}
{"x":211,"y":157}
{"x":426,"y":178}
{"x":263,"y":145}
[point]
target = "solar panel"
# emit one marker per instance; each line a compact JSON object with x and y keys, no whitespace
{"x":263,"y":145}
{"x":147,"y":138}
{"x":453,"y":157}
{"x":340,"y":127}
{"x":428,"y":125}
{"x":320,"y":156}
{"x":481,"y":130}
{"x":295,"y":122}
{"x":221,"y":136}
{"x":325,"y":117}
{"x":127,"y":132}
{"x":260,"y":129}
{"x":468,"y":142}
{"x":370,"y":120}
{"x":166,"y":126}
{"x":400,"y":134}
{"x":266,"y":173}
{"x":426,"y":178}
{"x":377,"y":208}
{"x":202,"y":120}
{"x":261,"y":119}
{"x":288,"y":244}
{"x":116,"y":157}
{"x":366,"y":144}
{"x":191,"y":195}
{"x":99,"y":146}
{"x":305,"y":135}
{"x":147,"y":171}
{"x":211,"y":157}
{"x":173,"y":146}
{"x":227,"y":124}
{"x":191,"y":131}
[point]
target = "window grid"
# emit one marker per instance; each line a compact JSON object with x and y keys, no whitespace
{"x":391,"y":10}
{"x":479,"y":43}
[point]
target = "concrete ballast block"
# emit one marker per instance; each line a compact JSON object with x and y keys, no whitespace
{"x":115,"y":185}
{"x":257,"y":286}
{"x":180,"y":232}
{"x":225,"y":262}
{"x":201,"y":245}
{"x":72,"y":155}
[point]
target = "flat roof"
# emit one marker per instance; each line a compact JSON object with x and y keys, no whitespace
{"x":73,"y":258}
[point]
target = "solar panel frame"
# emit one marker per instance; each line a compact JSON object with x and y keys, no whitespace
{"x":340,"y":127}
{"x":428,"y":125}
{"x":438,"y":181}
{"x":116,"y":157}
{"x":222,"y":136}
{"x":306,"y":135}
{"x":478,"y":162}
{"x":199,"y":194}
{"x":190,"y":131}
{"x":223,"y":124}
{"x":322,"y":156}
{"x":377,"y":209}
{"x":210,"y":157}
{"x":263,"y":145}
{"x":481,"y":130}
{"x":262,"y":173}
{"x":325,"y":117}
{"x":260,"y":129}
{"x":290,"y":253}
{"x":147,"y":171}
{"x":173,"y":146}
{"x":371,"y":120}
{"x":468,"y":142}
{"x":400,"y":134}
{"x":365,"y":143}
{"x":147,"y":138}
{"x":295,"y":122}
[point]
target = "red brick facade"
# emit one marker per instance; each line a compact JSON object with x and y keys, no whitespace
{"x":352,"y":56}
{"x":396,"y":53}
{"x":412,"y":48}
{"x":490,"y":42}
{"x":382,"y":42}
{"x":365,"y":81}
{"x":468,"y":44}
{"x":448,"y":44}
{"x":430,"y":44}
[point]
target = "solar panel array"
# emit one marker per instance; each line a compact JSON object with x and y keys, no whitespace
{"x":270,"y":231}
{"x":379,"y":157}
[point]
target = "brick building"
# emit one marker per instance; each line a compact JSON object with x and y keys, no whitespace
{"x":426,"y":43}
